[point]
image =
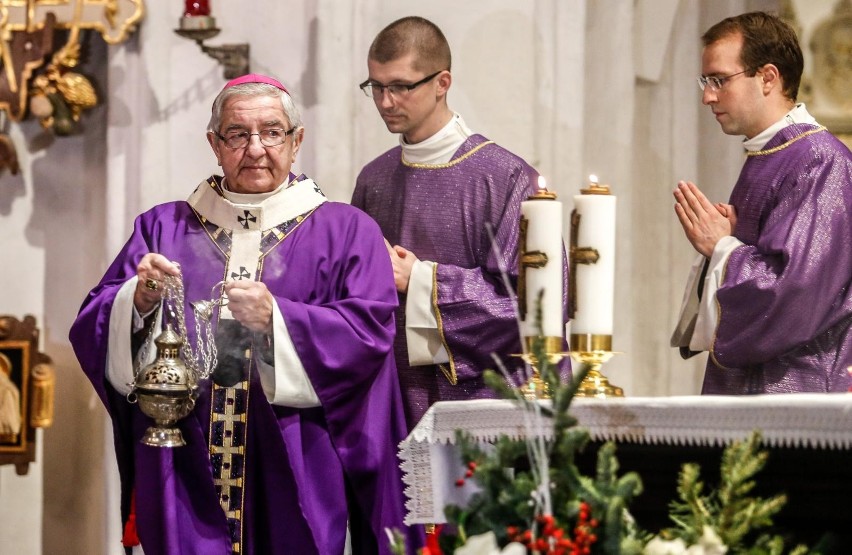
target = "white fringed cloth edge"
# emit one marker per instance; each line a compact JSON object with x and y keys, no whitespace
{"x":431,"y":464}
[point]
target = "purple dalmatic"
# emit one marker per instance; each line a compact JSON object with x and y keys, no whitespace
{"x":786,"y":301}
{"x":305,"y":472}
{"x":443,"y":213}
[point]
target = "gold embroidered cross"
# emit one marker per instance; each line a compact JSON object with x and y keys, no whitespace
{"x":578,"y":255}
{"x":526,"y":259}
{"x":225,"y":482}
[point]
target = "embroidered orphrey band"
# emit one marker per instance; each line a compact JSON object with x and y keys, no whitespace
{"x":228,"y":427}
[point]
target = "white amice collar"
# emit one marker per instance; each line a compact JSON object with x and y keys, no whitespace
{"x":440,"y":147}
{"x":799,"y":114}
{"x":248,"y":198}
{"x":242,"y":212}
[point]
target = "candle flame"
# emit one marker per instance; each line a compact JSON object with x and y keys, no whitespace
{"x":593,"y":179}
{"x":542,"y":184}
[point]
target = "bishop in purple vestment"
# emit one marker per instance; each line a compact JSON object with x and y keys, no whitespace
{"x":448,"y":200}
{"x":296,"y":440}
{"x":772,"y":298}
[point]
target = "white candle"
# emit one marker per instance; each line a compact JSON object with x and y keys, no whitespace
{"x":544,"y":234}
{"x":595,"y":282}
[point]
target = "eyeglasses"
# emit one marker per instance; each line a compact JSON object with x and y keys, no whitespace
{"x":268,"y":137}
{"x":374,"y":89}
{"x":716,"y":82}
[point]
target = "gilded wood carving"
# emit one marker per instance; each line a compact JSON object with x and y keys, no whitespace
{"x":39,"y":51}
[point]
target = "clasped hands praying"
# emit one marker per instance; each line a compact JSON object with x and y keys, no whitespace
{"x":704,"y":223}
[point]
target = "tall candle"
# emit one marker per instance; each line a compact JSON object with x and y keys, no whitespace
{"x":595,"y":282}
{"x":544,"y":235}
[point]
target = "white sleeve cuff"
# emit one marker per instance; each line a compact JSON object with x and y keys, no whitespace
{"x":421,"y":326}
{"x":123,"y":320}
{"x":286,"y":383}
{"x":708,"y":309}
{"x":689,"y":306}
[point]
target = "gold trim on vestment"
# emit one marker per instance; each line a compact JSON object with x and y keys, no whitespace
{"x":785,"y":145}
{"x":225,"y":486}
{"x":445,"y":165}
{"x":203,"y":221}
{"x":450,"y":372}
{"x":299,"y":221}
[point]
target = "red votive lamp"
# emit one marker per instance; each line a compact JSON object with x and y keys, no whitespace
{"x":194,"y":8}
{"x":196,"y":17}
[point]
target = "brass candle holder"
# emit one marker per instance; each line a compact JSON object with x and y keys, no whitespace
{"x":536,"y":387}
{"x":234,"y":58}
{"x":594,"y":350}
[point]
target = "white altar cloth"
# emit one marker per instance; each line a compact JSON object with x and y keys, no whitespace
{"x":431,"y":464}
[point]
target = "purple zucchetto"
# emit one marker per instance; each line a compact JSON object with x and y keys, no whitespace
{"x":256,"y":78}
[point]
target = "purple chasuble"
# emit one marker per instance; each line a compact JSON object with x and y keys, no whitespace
{"x":441,"y":213}
{"x":306,"y":470}
{"x":785,"y":300}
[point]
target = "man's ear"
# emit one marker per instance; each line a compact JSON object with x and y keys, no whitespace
{"x":298,"y":137}
{"x":771,"y":78}
{"x":214,"y":144}
{"x":445,"y":79}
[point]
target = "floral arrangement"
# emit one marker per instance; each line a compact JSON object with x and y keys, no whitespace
{"x":533,"y":499}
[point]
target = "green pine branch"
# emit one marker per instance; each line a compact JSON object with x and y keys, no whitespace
{"x":730,"y":510}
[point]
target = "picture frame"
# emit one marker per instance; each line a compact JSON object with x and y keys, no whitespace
{"x":27,"y":384}
{"x":15,"y":363}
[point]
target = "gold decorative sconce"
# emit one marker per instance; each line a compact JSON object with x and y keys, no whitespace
{"x":197,"y":24}
{"x":54,"y":93}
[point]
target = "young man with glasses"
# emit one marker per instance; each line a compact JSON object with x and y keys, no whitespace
{"x":770,"y":296}
{"x":295,"y":433}
{"x":448,"y":202}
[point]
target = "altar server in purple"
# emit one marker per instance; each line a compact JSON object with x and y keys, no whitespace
{"x":295,"y":436}
{"x":770,"y":297}
{"x":448,"y":202}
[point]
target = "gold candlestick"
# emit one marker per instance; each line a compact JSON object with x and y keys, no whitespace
{"x":536,"y":387}
{"x":594,"y":350}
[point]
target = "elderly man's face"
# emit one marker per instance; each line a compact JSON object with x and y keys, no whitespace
{"x":255,"y":168}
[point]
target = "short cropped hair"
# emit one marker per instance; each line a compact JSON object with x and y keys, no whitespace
{"x":251,"y":90}
{"x":766,"y":40}
{"x":413,"y":35}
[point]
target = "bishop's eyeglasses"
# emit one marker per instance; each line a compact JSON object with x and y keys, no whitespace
{"x":236,"y":140}
{"x":374,"y":89}
{"x":716,"y":82}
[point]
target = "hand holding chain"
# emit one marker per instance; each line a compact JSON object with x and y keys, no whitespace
{"x":202,"y":360}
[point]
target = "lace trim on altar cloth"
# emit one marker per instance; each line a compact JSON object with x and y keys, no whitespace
{"x":430,"y":463}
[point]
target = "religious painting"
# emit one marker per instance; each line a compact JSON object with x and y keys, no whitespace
{"x":27,"y":384}
{"x":14,"y":382}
